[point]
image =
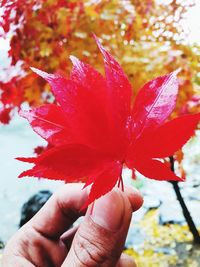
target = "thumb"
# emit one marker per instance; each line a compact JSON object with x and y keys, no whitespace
{"x":100,"y":239}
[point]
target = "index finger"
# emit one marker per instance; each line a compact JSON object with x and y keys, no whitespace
{"x":64,"y":208}
{"x":60,"y":211}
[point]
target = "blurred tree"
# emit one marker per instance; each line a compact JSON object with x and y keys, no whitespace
{"x":145,"y":36}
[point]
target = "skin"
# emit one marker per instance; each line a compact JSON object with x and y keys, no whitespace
{"x":48,"y":239}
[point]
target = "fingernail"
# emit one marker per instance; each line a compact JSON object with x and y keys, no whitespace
{"x":127,"y":261}
{"x":108,"y":211}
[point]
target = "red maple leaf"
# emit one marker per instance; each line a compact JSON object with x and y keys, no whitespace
{"x":95,"y":129}
{"x":5,"y":115}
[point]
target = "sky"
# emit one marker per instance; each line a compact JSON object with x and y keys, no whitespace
{"x":193,"y":23}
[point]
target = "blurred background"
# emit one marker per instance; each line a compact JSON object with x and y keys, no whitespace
{"x":149,"y":38}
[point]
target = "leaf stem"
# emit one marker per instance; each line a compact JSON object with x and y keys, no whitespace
{"x":120,"y":183}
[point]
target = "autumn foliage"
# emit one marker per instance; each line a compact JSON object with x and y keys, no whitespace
{"x":95,"y":129}
{"x":145,"y":36}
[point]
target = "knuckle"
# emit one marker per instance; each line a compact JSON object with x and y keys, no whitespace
{"x":92,"y":251}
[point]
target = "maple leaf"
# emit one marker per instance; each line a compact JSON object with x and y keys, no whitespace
{"x":95,"y":130}
{"x":5,"y":115}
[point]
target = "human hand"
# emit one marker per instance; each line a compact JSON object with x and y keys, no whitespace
{"x":47,"y":239}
